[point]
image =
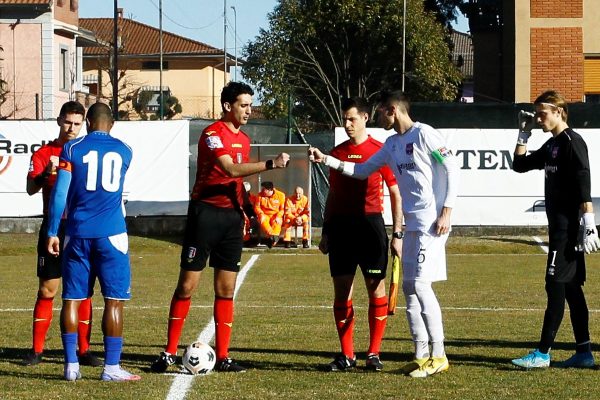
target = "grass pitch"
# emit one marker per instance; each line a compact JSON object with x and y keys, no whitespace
{"x":493,"y":305}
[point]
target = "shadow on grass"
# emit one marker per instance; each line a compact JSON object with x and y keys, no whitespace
{"x":513,"y":240}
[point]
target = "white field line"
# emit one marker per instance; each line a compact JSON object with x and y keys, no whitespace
{"x":182,"y":382}
{"x":541,"y":243}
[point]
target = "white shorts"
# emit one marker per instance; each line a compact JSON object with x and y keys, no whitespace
{"x":424,"y":257}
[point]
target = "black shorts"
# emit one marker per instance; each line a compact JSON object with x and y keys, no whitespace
{"x":49,"y":266}
{"x":212,"y":232}
{"x":564,"y":264}
{"x":358,"y":241}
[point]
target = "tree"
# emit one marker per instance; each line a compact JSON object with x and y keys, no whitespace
{"x":445,"y":11}
{"x":319,"y":51}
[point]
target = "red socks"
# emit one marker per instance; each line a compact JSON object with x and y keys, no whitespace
{"x":177,"y":315}
{"x":343,"y":313}
{"x":223,"y":314}
{"x":84,"y":329}
{"x":42,"y":317}
{"x":377,"y":322}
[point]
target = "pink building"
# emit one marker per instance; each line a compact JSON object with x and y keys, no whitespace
{"x":40,"y":57}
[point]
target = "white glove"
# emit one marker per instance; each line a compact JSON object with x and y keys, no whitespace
{"x":590,"y":241}
{"x":526,"y":124}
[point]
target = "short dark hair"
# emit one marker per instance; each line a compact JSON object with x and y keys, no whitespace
{"x":71,"y":107}
{"x":99,"y":112}
{"x":267,"y":185}
{"x":232,"y":90}
{"x":356,"y":102}
{"x":387,"y":98}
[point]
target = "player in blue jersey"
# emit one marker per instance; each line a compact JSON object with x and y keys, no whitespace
{"x":91,"y":173}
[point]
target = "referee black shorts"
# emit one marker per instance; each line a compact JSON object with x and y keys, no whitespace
{"x":49,"y":266}
{"x":564,"y":264}
{"x":212,"y":234}
{"x":358,"y":241}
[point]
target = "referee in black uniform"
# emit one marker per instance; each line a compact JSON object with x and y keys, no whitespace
{"x":571,"y":225}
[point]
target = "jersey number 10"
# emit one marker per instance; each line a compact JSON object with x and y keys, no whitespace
{"x":111,"y":170}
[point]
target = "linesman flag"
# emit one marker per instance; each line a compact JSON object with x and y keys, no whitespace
{"x":394,"y":284}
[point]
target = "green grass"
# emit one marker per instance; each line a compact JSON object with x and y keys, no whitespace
{"x":493,"y":306}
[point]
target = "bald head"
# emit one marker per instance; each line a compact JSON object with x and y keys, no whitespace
{"x":99,"y":118}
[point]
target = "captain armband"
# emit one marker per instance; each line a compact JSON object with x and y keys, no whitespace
{"x":441,"y":154}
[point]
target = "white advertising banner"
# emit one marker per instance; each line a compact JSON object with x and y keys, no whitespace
{"x":157,"y":182}
{"x":490,"y":192}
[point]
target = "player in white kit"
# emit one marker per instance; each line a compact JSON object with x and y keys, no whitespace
{"x":427,"y":175}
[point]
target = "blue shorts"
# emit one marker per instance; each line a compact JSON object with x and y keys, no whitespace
{"x":104,"y":258}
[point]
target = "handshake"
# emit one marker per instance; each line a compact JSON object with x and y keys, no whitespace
{"x":588,"y":234}
{"x":526,"y":124}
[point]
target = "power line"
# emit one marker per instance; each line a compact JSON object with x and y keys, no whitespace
{"x":183,"y":26}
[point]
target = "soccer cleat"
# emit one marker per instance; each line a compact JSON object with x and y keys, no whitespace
{"x":305,"y":244}
{"x":433,"y":366}
{"x":578,"y":360}
{"x":228,"y":365}
{"x":535,"y":359}
{"x":413,"y":365}
{"x":164,"y":361}
{"x":118,"y":375}
{"x":287,"y":244}
{"x":90,"y":360}
{"x":341,"y":363}
{"x":72,"y":372}
{"x":374,"y":363}
{"x":33,"y":358}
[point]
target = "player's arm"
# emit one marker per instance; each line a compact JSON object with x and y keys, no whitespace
{"x":58,"y":201}
{"x":397,"y":218}
{"x":39,"y":174}
{"x":359,"y":171}
{"x":233,"y":170}
{"x":448,"y":161}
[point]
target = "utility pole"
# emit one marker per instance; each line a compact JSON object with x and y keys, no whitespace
{"x":224,"y":42}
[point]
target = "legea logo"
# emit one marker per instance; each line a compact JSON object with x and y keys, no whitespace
{"x":5,"y":160}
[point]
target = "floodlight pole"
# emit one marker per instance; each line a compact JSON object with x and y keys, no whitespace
{"x":403,"y":43}
{"x":115,"y":83}
{"x":235,"y":39}
{"x":224,"y":42}
{"x":160,"y":79}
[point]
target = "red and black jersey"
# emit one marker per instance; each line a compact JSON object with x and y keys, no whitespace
{"x":39,"y":161}
{"x":212,"y":185}
{"x":350,"y":196}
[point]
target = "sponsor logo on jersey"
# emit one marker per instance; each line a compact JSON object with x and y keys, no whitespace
{"x":551,"y":169}
{"x":405,"y":166}
{"x":214,"y":142}
{"x":209,"y":133}
{"x":237,"y":145}
{"x":374,"y":271}
{"x":555,"y":152}
{"x":354,"y":156}
{"x":409,"y":149}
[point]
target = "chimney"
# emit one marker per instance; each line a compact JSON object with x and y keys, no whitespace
{"x":120,"y":12}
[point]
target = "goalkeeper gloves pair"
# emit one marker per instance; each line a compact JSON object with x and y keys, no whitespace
{"x":589,"y":241}
{"x":526,"y":124}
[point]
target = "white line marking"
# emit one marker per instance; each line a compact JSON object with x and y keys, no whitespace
{"x":541,"y":243}
{"x":182,"y":383}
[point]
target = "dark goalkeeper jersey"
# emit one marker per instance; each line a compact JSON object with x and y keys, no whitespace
{"x":565,"y":161}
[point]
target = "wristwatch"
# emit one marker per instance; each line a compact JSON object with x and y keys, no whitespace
{"x":398,"y":235}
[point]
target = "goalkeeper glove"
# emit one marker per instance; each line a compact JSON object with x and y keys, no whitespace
{"x":526,"y":124}
{"x":590,"y":241}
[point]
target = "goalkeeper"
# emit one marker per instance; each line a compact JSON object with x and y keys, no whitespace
{"x":571,"y":225}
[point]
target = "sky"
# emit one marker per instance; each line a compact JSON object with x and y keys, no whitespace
{"x":200,"y":20}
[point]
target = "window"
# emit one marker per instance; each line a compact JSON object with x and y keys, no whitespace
{"x":74,"y":5}
{"x":592,"y":98}
{"x":63,"y":69}
{"x":154,"y":65}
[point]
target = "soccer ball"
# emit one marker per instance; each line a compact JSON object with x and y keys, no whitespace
{"x":199,"y":358}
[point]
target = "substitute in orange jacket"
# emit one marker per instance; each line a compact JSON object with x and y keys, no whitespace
{"x":269,"y":208}
{"x":297,"y":213}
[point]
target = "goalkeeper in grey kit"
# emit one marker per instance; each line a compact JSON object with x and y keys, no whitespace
{"x":571,"y":225}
